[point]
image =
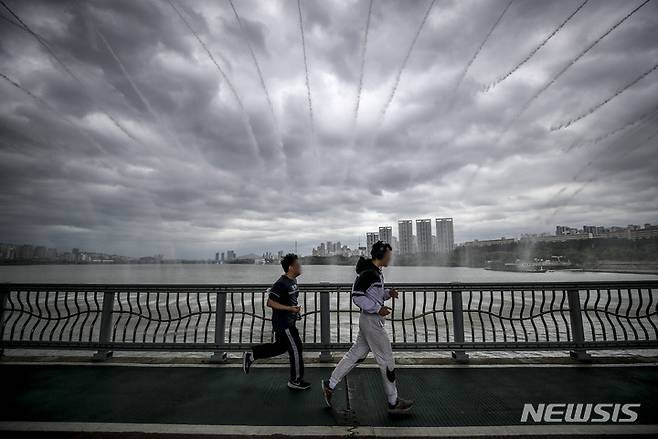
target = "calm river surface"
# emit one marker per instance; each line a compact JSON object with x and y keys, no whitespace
{"x":264,"y":274}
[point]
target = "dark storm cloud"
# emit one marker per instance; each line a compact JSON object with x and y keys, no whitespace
{"x":134,"y":142}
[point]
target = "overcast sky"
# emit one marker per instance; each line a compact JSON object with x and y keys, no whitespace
{"x":120,"y":133}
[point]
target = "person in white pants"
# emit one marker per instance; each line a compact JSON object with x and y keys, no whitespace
{"x":369,"y":294}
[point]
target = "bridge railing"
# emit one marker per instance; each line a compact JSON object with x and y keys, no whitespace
{"x":455,"y":317}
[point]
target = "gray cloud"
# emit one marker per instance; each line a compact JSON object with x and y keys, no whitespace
{"x":147,"y":149}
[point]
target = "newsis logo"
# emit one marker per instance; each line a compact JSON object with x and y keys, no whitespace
{"x":579,"y":412}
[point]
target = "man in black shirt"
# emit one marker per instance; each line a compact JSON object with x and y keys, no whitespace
{"x":282,"y":298}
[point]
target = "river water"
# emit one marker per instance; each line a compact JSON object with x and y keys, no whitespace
{"x":264,"y":274}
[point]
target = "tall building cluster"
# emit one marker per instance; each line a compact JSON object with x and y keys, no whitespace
{"x":424,"y":241}
{"x":333,"y":249}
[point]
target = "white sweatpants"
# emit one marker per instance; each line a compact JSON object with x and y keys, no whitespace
{"x":372,"y":337}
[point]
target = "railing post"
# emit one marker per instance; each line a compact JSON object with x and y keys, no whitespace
{"x":106,"y":326}
{"x":577,"y":333}
{"x":325,"y":336}
{"x":220,"y":356}
{"x":458,"y":325}
{"x":4,"y":296}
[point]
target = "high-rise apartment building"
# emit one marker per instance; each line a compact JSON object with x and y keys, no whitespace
{"x":386,"y":234}
{"x":371,"y":238}
{"x":424,"y":235}
{"x":445,"y":238}
{"x":406,"y":237}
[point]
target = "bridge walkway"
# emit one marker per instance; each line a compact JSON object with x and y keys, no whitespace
{"x":106,"y":399}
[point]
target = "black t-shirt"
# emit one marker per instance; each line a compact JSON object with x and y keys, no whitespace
{"x":285,"y":291}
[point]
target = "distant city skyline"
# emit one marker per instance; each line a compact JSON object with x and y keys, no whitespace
{"x":27,"y":251}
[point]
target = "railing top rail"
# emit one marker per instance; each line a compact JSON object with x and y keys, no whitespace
{"x":327,"y":286}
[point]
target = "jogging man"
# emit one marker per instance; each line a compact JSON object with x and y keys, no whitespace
{"x":369,"y":294}
{"x":282,"y":298}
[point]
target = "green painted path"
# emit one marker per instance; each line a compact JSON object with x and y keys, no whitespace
{"x":223,"y":395}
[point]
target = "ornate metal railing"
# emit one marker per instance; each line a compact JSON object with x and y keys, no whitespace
{"x":451,"y":316}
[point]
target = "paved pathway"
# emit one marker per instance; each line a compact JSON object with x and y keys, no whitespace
{"x":221,"y":399}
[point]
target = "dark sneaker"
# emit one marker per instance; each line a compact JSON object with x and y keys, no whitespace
{"x":247,"y":361}
{"x":400,"y":407}
{"x":299,"y":385}
{"x":327,"y":392}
